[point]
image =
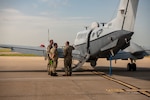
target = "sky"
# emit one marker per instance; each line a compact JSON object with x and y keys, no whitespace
{"x":26,"y":22}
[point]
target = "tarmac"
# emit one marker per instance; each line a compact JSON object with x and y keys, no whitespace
{"x":26,"y":78}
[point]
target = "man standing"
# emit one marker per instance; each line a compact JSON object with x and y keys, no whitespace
{"x":50,"y":46}
{"x":68,"y":59}
{"x":54,"y":57}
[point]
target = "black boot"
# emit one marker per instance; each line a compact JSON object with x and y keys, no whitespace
{"x":55,"y":74}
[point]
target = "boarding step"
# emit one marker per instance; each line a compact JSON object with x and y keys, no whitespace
{"x":81,"y":62}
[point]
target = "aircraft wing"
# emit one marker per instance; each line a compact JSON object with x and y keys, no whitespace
{"x":36,"y":50}
{"x":134,"y":52}
{"x":60,"y":52}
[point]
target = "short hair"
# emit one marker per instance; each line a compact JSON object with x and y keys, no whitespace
{"x":55,"y":44}
{"x":67,"y":42}
{"x":50,"y":40}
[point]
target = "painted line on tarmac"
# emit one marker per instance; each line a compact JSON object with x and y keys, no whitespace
{"x":131,"y":87}
{"x":127,"y":90}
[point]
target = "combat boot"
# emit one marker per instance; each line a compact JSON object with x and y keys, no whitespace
{"x":54,"y":74}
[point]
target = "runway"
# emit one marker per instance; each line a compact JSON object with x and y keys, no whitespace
{"x":24,"y":78}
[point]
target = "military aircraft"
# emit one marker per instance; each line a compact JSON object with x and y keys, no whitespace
{"x":133,"y":52}
{"x":97,"y":42}
{"x":102,"y":42}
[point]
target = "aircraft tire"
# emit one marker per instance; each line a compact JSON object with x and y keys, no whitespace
{"x":134,"y":67}
{"x":129,"y":67}
{"x":93,"y":63}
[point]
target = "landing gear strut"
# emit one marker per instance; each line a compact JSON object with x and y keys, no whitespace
{"x":131,"y":66}
{"x":93,"y":63}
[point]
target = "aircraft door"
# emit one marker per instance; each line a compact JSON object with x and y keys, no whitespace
{"x":88,"y":41}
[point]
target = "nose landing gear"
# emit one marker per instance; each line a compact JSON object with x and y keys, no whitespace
{"x":93,"y":63}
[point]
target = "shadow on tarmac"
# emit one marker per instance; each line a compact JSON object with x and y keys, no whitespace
{"x":141,"y":73}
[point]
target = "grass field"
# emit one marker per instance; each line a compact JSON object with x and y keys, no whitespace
{"x":7,"y":52}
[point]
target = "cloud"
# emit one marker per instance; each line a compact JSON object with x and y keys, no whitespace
{"x":44,"y":0}
{"x":18,"y":28}
{"x":35,"y":5}
{"x":13,"y":16}
{"x":79,"y":18}
{"x":56,"y":3}
{"x":44,"y":13}
{"x":9,"y":11}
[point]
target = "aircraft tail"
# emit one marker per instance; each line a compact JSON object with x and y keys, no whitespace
{"x":126,"y":15}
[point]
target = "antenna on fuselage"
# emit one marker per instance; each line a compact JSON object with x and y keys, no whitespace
{"x":86,"y":27}
{"x":103,"y":24}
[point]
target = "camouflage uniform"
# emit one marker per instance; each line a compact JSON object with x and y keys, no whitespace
{"x":68,"y":60}
{"x":49,"y":64}
{"x":55,"y":59}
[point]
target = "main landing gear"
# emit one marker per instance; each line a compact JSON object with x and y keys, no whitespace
{"x":131,"y":66}
{"x":93,"y":63}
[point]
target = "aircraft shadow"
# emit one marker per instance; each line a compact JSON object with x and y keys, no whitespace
{"x":141,"y":72}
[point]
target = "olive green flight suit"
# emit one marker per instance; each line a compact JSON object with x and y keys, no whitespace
{"x":68,"y":60}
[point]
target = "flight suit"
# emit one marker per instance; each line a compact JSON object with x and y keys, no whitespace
{"x":54,"y":52}
{"x":49,"y":64}
{"x":68,"y":60}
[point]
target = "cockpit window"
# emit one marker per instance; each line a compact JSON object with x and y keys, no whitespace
{"x":81,"y":36}
{"x":97,"y":33}
{"x":93,"y":34}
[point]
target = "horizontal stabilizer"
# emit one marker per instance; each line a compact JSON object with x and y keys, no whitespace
{"x":147,"y":52}
{"x":123,"y":55}
{"x":134,"y":51}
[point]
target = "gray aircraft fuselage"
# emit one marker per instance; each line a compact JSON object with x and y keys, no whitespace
{"x":101,"y":45}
